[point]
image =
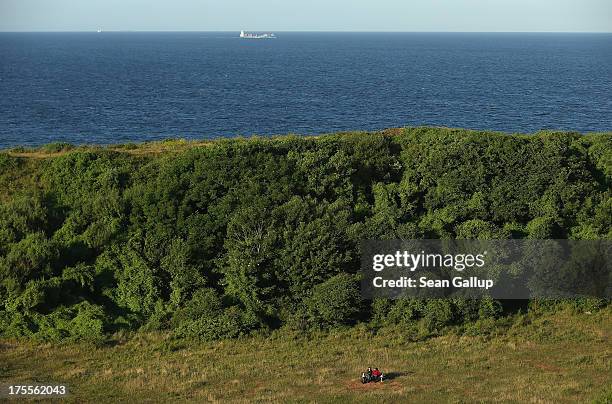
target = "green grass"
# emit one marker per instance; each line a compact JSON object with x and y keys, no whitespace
{"x":563,"y":357}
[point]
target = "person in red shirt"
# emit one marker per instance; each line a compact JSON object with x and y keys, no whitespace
{"x":377,"y":374}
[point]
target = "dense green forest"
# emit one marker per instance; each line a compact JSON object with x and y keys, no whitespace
{"x":229,"y":237}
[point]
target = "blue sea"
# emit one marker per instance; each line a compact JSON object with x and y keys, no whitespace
{"x":115,"y":87}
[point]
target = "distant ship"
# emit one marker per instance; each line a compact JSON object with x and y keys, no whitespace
{"x":246,"y":35}
{"x":99,"y":30}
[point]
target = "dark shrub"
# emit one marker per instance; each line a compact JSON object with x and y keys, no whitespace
{"x":334,"y":302}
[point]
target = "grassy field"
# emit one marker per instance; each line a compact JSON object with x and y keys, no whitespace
{"x":556,"y":358}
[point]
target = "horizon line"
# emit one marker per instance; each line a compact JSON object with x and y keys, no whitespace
{"x":94,"y":30}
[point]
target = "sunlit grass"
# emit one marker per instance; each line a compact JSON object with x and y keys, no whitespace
{"x":557,"y":358}
{"x":178,"y":144}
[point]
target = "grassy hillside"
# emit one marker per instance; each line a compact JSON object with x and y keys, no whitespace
{"x":228,"y":270}
{"x":556,"y":358}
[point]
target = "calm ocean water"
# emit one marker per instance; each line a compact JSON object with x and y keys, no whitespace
{"x":120,"y":87}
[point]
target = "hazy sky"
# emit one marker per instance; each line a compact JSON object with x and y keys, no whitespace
{"x":307,"y":15}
